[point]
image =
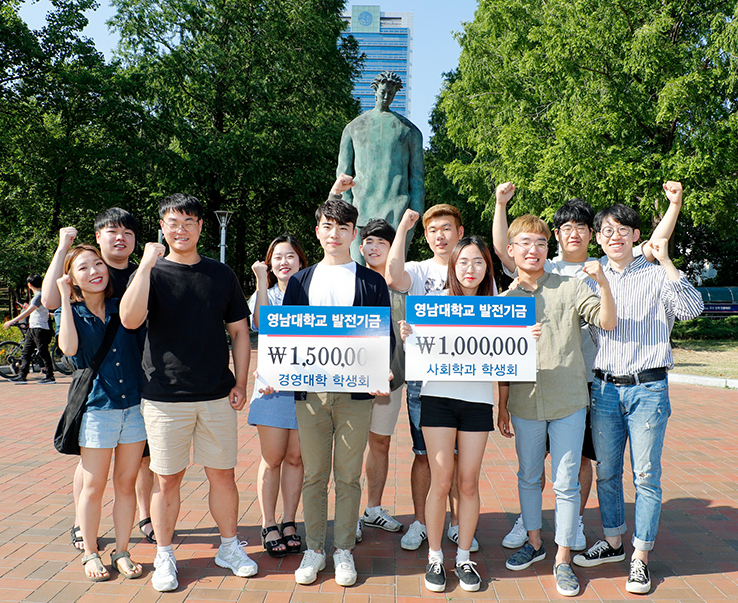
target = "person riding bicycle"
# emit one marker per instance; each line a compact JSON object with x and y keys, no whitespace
{"x":39,"y":334}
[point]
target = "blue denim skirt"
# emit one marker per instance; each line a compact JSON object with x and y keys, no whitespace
{"x":274,"y":410}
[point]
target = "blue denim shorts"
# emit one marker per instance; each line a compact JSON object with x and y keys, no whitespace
{"x":108,"y":428}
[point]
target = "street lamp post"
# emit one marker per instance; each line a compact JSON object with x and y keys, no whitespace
{"x":223,"y":217}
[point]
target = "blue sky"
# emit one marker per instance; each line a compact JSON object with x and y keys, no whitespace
{"x":435,"y":50}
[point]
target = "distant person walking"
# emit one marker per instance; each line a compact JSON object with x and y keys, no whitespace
{"x":39,"y":334}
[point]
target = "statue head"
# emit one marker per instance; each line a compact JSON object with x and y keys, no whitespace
{"x":386,"y":84}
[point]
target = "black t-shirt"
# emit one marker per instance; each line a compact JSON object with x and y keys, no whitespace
{"x":186,"y":353}
{"x":119,"y":277}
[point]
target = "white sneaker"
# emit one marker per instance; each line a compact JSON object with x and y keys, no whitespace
{"x":453,"y":535}
{"x":343,"y":563}
{"x":414,"y":536}
{"x":382,"y":520}
{"x":359,"y":531}
{"x":312,"y":563}
{"x":517,"y":537}
{"x":234,"y":558}
{"x":165,"y":573}
{"x":581,"y":542}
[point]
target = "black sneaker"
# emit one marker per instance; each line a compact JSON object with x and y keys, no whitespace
{"x":469,"y":579}
{"x":435,"y":576}
{"x":600,"y":552}
{"x":639,"y":580}
{"x":18,"y":379}
{"x":47,"y":381}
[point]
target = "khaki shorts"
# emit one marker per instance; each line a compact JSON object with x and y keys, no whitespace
{"x":211,"y":427}
{"x":385,"y":411}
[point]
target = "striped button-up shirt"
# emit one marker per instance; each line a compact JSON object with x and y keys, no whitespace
{"x":647,"y":304}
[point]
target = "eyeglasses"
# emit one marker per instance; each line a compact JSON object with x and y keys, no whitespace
{"x":476,"y":264}
{"x":608,"y":231}
{"x":526,"y":245}
{"x":187,"y":225}
{"x":567,"y":229}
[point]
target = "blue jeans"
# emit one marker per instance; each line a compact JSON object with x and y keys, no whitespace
{"x":638,"y":413}
{"x":565,"y":436}
{"x":413,"y":412}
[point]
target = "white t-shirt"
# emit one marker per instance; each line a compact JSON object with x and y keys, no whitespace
{"x":468,"y":391}
{"x":39,"y":319}
{"x":333,"y":285}
{"x":275,"y":297}
{"x":425,"y":277}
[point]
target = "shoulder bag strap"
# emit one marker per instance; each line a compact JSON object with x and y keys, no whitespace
{"x":110,"y":332}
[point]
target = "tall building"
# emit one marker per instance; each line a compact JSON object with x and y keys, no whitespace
{"x":387,"y":41}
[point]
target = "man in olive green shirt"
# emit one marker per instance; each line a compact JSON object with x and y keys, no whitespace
{"x":555,"y":404}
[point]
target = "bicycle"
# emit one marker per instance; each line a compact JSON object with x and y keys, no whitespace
{"x":11,"y":353}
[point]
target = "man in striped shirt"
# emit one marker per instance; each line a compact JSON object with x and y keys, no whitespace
{"x":630,"y":397}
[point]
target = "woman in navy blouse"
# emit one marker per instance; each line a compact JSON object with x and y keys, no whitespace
{"x":112,"y":419}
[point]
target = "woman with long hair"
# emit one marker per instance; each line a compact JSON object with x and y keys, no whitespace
{"x":112,"y":419}
{"x":457,"y":415}
{"x":274,"y":414}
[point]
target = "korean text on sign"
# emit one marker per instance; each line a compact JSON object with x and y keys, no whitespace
{"x":472,"y":338}
{"x":325,"y":349}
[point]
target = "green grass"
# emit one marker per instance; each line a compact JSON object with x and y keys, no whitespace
{"x":707,"y":329}
{"x":11,"y":334}
{"x":708,"y":358}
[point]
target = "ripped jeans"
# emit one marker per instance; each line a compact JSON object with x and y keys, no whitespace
{"x":638,"y":413}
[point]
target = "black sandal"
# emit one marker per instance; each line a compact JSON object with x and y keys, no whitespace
{"x":270,"y":546}
{"x":76,"y":534}
{"x":292,"y":549}
{"x":150,"y":536}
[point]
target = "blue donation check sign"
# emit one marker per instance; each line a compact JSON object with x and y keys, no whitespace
{"x":470,"y":339}
{"x":325,"y":349}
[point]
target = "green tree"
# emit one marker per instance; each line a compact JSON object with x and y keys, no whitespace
{"x":600,"y":101}
{"x":251,"y":98}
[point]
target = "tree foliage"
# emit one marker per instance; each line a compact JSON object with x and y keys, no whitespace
{"x":603,"y":101}
{"x":239,"y":102}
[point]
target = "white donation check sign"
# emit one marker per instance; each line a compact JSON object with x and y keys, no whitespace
{"x":470,"y":339}
{"x":319,"y":349}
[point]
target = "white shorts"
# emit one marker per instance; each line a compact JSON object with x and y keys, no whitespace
{"x":385,"y":411}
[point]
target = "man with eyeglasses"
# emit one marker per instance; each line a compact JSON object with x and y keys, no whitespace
{"x":630,"y":396}
{"x":554,"y":406}
{"x":573,"y":223}
{"x":190,"y":397}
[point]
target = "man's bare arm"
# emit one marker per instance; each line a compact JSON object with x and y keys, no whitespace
{"x":134,"y":305}
{"x":241,"y":350}
{"x":395,"y":274}
{"x":665,"y":228}
{"x":503,"y":193}
{"x":49,"y":289}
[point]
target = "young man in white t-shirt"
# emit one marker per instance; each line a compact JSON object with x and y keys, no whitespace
{"x":573,"y":228}
{"x":443,"y":229}
{"x":333,"y":427}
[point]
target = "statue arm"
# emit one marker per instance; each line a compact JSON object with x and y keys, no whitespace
{"x":346,"y":161}
{"x":416,"y":173}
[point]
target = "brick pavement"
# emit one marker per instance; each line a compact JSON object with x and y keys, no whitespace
{"x":696,"y":557}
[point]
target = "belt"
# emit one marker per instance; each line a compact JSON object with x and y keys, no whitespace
{"x":656,"y":374}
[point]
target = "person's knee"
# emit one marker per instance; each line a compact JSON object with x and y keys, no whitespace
{"x":468,"y":485}
{"x":379,"y":445}
{"x":421,"y":461}
{"x":273,"y":459}
{"x":294,"y":460}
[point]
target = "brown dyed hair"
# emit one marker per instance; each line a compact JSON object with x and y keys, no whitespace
{"x":440,"y":210}
{"x":72,"y":255}
{"x":486,"y":287}
{"x":285,"y":238}
{"x":528,"y":223}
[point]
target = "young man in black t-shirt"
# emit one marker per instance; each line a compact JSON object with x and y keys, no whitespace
{"x":190,"y":397}
{"x":115,"y":233}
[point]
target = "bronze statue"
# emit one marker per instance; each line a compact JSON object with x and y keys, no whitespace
{"x":383,"y":151}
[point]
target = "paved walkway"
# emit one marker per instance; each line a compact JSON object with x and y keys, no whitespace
{"x":696,"y":558}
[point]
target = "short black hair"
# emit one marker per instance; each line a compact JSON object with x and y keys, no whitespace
{"x":114,"y":217}
{"x":378,"y":227}
{"x":622,"y":214}
{"x":182,"y":203}
{"x":35,"y":280}
{"x":337,"y":210}
{"x":574,"y":210}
